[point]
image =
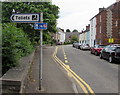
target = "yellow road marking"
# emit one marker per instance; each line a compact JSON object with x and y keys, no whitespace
{"x":81,"y":85}
{"x":66,"y":61}
{"x":68,"y":67}
{"x":79,"y":80}
{"x":65,"y":57}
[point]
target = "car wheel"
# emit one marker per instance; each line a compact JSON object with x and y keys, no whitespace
{"x":101,"y":56}
{"x":110,"y":59}
{"x":96,"y":53}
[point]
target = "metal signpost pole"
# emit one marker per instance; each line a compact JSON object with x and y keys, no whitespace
{"x":33,"y":18}
{"x":41,"y":61}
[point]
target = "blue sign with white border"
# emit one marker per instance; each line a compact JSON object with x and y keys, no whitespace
{"x":40,"y":26}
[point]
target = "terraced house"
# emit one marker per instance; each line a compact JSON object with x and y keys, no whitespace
{"x":105,"y":26}
{"x":84,"y":36}
{"x":113,"y":22}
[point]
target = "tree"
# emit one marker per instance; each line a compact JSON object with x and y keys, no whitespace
{"x":17,"y":37}
{"x":75,"y":30}
{"x":68,"y":30}
{"x":15,"y":44}
{"x":50,"y":15}
{"x":74,"y":38}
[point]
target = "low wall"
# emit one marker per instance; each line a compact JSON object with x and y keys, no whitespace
{"x":15,"y":79}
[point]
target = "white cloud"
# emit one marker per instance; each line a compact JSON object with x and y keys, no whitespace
{"x":75,"y":14}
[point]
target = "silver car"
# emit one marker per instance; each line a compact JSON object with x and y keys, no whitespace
{"x":85,"y":47}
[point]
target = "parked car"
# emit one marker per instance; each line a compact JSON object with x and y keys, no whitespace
{"x":76,"y":45}
{"x":96,"y":49}
{"x":85,"y":47}
{"x":59,"y":43}
{"x":111,"y":52}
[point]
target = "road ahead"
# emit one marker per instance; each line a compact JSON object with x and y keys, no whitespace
{"x":101,"y":75}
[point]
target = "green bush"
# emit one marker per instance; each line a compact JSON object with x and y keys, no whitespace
{"x":15,"y":44}
{"x":67,"y":43}
{"x":74,"y":38}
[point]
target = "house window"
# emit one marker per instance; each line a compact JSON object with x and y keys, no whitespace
{"x":100,"y":29}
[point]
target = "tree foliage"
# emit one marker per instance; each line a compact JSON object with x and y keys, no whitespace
{"x":74,"y":38}
{"x":14,"y":46}
{"x":19,"y":38}
{"x":68,"y":30}
{"x":75,"y":30}
{"x":50,"y":14}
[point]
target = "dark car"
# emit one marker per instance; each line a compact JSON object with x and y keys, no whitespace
{"x":111,"y":52}
{"x":96,"y":49}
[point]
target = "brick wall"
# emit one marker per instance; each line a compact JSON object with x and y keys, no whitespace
{"x":115,"y":8}
{"x":101,"y":27}
{"x":108,"y":24}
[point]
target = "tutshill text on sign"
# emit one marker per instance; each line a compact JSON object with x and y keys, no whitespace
{"x":25,"y":17}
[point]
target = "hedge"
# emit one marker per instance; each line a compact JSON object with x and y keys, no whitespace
{"x":15,"y":44}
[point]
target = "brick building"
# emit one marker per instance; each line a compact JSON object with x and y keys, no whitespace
{"x":113,"y":22}
{"x":101,"y":27}
{"x":117,"y":0}
{"x":108,"y":25}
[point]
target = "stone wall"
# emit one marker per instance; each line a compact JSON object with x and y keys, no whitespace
{"x":15,"y":79}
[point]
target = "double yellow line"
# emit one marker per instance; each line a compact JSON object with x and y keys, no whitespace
{"x":85,"y":87}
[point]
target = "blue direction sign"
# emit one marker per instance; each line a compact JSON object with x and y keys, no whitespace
{"x":40,"y":26}
{"x":25,"y":17}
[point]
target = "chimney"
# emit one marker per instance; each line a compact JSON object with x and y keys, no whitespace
{"x":101,"y":9}
{"x":88,"y":27}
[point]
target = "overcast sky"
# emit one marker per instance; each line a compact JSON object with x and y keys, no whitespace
{"x":75,"y":14}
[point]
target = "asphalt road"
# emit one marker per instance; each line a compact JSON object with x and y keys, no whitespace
{"x":101,"y":75}
{"x":54,"y":79}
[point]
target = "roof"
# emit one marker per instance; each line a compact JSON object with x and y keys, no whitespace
{"x":105,"y":9}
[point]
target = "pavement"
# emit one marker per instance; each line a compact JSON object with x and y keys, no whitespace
{"x":54,"y":80}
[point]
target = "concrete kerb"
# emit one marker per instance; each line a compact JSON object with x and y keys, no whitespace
{"x":14,"y":80}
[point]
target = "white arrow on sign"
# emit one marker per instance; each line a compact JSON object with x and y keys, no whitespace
{"x":29,"y":18}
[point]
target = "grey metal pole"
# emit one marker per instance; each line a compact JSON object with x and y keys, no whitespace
{"x":41,"y":62}
{"x":41,"y":54}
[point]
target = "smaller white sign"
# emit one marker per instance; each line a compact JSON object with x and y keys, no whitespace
{"x":29,"y":18}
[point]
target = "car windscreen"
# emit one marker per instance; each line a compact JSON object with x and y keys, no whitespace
{"x":101,"y":46}
{"x":118,"y":49}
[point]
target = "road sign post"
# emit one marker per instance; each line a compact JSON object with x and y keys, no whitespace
{"x":33,"y":18}
{"x":41,"y":26}
{"x":40,"y":61}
